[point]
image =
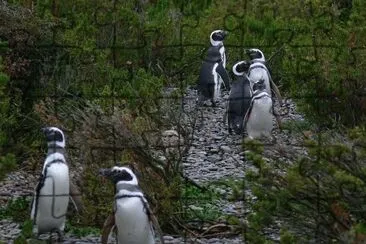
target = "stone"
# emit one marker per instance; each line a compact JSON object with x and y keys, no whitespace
{"x":226,"y":149}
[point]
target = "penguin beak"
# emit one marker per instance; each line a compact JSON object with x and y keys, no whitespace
{"x":248,"y":51}
{"x":225,"y":33}
{"x":105,"y":172}
{"x":44,"y":130}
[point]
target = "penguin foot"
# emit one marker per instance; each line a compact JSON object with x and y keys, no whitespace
{"x":60,"y":235}
{"x":35,"y":232}
{"x":198,"y":102}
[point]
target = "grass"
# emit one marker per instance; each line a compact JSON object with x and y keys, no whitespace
{"x":200,"y":204}
{"x":81,"y":231}
{"x":297,"y":126}
{"x":16,"y":209}
{"x":7,"y":164}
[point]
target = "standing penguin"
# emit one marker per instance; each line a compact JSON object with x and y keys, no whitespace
{"x":239,"y":98}
{"x":259,"y":70}
{"x":132,"y":217}
{"x":213,"y":72}
{"x":51,"y":199}
{"x":258,"y":119}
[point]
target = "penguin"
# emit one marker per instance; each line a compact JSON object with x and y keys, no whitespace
{"x":258,"y":119}
{"x":132,"y":217}
{"x":51,"y":198}
{"x":260,"y":70}
{"x":213,"y":72}
{"x":239,"y":98}
{"x":217,"y":40}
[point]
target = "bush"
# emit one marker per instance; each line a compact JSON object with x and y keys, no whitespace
{"x":317,"y":197}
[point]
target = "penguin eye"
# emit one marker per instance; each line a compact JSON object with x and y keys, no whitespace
{"x":257,"y":54}
{"x":217,"y":36}
{"x":125,"y":176}
{"x":117,"y":171}
{"x":55,"y":136}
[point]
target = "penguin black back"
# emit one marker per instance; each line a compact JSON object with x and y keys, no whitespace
{"x":213,"y":54}
{"x":239,"y":97}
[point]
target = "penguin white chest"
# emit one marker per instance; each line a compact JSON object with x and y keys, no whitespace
{"x":217,"y":82}
{"x":133,"y":225}
{"x":257,"y":74}
{"x":260,"y":119}
{"x":223,"y":56}
{"x":53,"y":199}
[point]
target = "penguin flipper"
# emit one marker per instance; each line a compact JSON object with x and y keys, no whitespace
{"x":224,"y":75}
{"x":274,"y":87}
{"x":107,"y":228}
{"x":32,"y":209}
{"x":247,"y":114}
{"x":75,"y":197}
{"x":276,"y":91}
{"x":34,"y":199}
{"x":156,"y":225}
{"x":154,"y":221}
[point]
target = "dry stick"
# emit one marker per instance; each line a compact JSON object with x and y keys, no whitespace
{"x":185,"y":227}
{"x":278,"y":121}
{"x":227,"y":233}
{"x":212,"y":227}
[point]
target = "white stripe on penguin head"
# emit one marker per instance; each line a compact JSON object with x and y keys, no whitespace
{"x":213,"y":42}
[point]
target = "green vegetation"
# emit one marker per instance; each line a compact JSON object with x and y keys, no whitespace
{"x":81,"y":231}
{"x":200,"y":205}
{"x":325,"y":188}
{"x":17,"y":209}
{"x":97,"y":69}
{"x":26,"y":233}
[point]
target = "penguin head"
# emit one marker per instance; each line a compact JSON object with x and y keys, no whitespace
{"x":119,"y":174}
{"x":255,"y":54}
{"x":217,"y":37}
{"x":259,"y":85}
{"x":241,"y":67}
{"x":54,"y":136}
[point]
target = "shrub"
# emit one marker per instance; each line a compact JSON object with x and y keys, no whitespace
{"x":317,"y":197}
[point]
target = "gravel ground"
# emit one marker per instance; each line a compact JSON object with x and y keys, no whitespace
{"x":214,"y":156}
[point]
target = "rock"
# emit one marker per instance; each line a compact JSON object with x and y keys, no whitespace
{"x":214,"y":150}
{"x":225,"y":149}
{"x":213,"y":168}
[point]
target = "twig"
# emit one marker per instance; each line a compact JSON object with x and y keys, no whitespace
{"x":185,"y":227}
{"x":213,"y":227}
{"x":227,"y":233}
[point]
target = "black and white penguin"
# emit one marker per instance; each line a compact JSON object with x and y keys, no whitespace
{"x":50,"y":203}
{"x":258,"y":119}
{"x":213,"y":72}
{"x":132,"y":218}
{"x":239,"y":97}
{"x":259,"y":70}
